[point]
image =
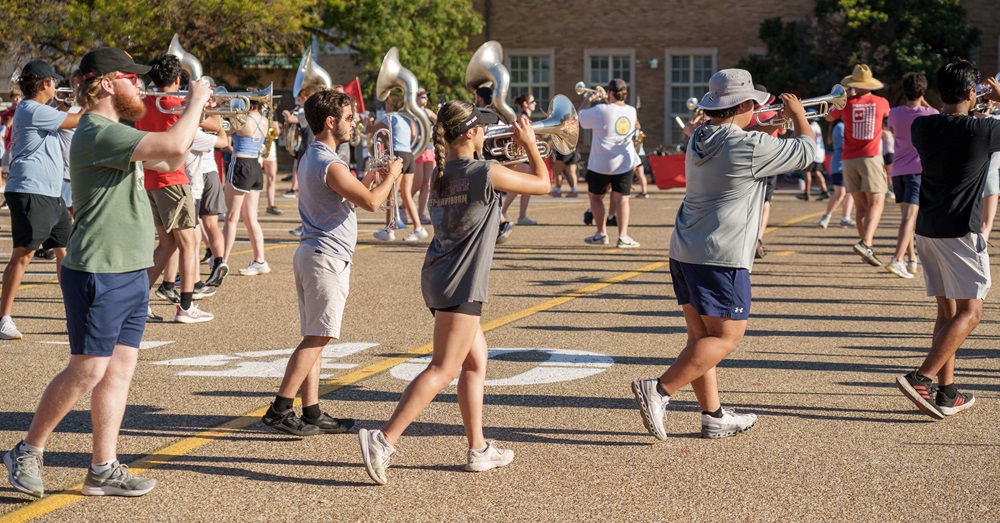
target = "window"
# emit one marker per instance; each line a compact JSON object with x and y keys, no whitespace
{"x":530,"y":71}
{"x":687,"y":77}
{"x":602,"y":65}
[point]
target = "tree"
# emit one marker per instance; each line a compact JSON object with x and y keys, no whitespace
{"x":432,"y":37}
{"x":219,"y":32}
{"x":892,"y":36}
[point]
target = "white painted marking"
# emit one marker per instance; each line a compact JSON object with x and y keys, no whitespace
{"x":142,"y":344}
{"x":274,"y":368}
{"x":561,"y":365}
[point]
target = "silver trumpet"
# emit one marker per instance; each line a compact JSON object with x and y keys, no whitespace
{"x":691,"y":104}
{"x":982,"y":91}
{"x":66,"y":95}
{"x":582,"y":89}
{"x":561,"y":127}
{"x":234,"y":106}
{"x":820,"y":106}
{"x":382,"y":158}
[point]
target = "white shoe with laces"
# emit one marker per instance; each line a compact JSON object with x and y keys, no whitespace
{"x":376,"y":452}
{"x":8,"y":331}
{"x":597,"y":239}
{"x":824,"y":221}
{"x":652,"y":405}
{"x":416,"y":234}
{"x":488,"y":458}
{"x":256,"y":268}
{"x":898,"y":268}
{"x":192,"y":315}
{"x":730,"y":424}
{"x":385,"y":235}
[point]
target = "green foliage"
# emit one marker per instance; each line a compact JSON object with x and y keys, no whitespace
{"x":432,"y":37}
{"x":218,"y":32}
{"x":892,"y":36}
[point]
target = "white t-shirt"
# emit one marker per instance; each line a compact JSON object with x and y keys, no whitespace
{"x":200,"y":160}
{"x":820,"y":148}
{"x":611,"y":147}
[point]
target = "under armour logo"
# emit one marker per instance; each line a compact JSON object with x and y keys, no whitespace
{"x":738,"y":309}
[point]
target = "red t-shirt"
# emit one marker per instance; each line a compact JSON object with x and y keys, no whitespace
{"x":156,"y":121}
{"x":862,"y":118}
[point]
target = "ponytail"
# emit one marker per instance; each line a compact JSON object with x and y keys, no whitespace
{"x":440,"y":152}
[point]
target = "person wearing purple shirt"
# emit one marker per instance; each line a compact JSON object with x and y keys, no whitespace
{"x":906,"y":171}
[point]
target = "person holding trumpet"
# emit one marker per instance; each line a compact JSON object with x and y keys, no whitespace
{"x":464,"y":206}
{"x":712,"y":246}
{"x":104,"y":281}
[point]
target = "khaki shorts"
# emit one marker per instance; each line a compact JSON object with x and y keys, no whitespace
{"x":321,"y":284}
{"x":956,"y":268}
{"x":173,"y":207}
{"x":865,"y":175}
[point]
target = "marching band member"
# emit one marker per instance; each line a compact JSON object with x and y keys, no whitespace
{"x":244,"y":181}
{"x":105,"y":284}
{"x":322,"y":263}
{"x":527,"y":104}
{"x":464,"y":209}
{"x":713,"y":243}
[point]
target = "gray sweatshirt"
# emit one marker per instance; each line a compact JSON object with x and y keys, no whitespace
{"x":719,"y":219}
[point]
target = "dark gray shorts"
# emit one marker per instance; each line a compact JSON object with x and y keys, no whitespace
{"x":213,"y":199}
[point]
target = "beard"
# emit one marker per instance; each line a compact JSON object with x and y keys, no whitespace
{"x":128,"y":108}
{"x":346,"y":136}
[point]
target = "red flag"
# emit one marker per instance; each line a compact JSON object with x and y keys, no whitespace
{"x":353,"y":90}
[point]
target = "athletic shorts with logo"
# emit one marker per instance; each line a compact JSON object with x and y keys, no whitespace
{"x":719,"y":292}
{"x":38,"y":221}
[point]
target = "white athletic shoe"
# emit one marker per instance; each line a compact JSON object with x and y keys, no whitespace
{"x":898,"y":268}
{"x":8,"y":331}
{"x":256,"y":268}
{"x":730,"y":424}
{"x":385,"y":235}
{"x":192,"y":315}
{"x":824,"y":221}
{"x":652,"y":405}
{"x":376,"y":453}
{"x":416,"y":235}
{"x":489,"y":458}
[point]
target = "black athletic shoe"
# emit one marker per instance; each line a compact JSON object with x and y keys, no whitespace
{"x":45,"y":254}
{"x":329,"y":425}
{"x":289,"y":423}
{"x":588,"y":217}
{"x":612,"y":221}
{"x":286,"y":178}
{"x":951,"y":406}
{"x":203,"y":291}
{"x":921,"y":393}
{"x":803,"y":196}
{"x":170,"y":294}
{"x":505,"y":229}
{"x":207,"y":257}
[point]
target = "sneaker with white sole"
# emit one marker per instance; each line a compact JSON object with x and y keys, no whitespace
{"x":867,"y":254}
{"x":192,"y":315}
{"x":730,"y":424}
{"x":8,"y":331}
{"x":524,"y":220}
{"x":256,"y":268}
{"x":203,"y":291}
{"x":116,"y":481}
{"x":416,"y":235}
{"x":170,"y":294}
{"x":219,"y":272}
{"x":385,"y":235}
{"x":951,"y":406}
{"x":652,"y":405}
{"x":296,"y":231}
{"x":626,"y":242}
{"x":152,"y":317}
{"x":848,"y":222}
{"x":911,"y":267}
{"x":898,"y":268}
{"x":488,"y":458}
{"x":24,"y":470}
{"x":597,"y":239}
{"x":920,"y":390}
{"x":824,"y":221}
{"x":377,"y":453}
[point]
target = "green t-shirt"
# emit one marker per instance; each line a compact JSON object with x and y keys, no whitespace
{"x":113,"y":225}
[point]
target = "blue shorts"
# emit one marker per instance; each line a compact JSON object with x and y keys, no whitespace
{"x":720,"y":292}
{"x":103,"y":310}
{"x":837,"y":179}
{"x":906,"y":187}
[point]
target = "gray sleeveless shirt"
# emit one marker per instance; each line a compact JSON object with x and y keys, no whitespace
{"x":466,"y":218}
{"x":329,"y":222}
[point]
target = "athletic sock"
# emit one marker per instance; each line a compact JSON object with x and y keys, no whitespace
{"x":950,"y":391}
{"x":659,"y":388}
{"x":24,"y":446}
{"x":186,"y":299}
{"x":100,"y":468}
{"x":168,"y":285}
{"x":282,"y":404}
{"x":715,"y":414}
{"x":311,"y":412}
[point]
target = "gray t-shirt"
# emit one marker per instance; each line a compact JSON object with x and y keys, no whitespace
{"x":329,"y":222}
{"x":36,"y":165}
{"x":726,"y":168}
{"x":466,"y":218}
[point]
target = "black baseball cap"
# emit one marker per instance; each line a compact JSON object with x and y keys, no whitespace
{"x":105,"y":60}
{"x":617,"y":84}
{"x":40,"y":69}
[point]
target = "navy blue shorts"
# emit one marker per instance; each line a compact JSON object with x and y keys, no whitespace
{"x":103,"y":310}
{"x":906,"y":187}
{"x":720,"y":292}
{"x":837,"y":179}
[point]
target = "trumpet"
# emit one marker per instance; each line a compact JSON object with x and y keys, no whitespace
{"x":66,"y":95}
{"x":691,"y":104}
{"x":822,"y":104}
{"x":982,"y":91}
{"x":234,"y":106}
{"x":582,"y":89}
{"x":382,"y":158}
{"x":561,"y":128}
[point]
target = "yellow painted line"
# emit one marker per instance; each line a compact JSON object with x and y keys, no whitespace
{"x":71,"y":495}
{"x":793,"y":221}
{"x":782,"y":253}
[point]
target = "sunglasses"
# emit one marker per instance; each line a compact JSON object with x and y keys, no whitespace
{"x":132,"y":78}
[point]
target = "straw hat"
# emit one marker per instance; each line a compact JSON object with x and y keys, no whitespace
{"x":862,"y":78}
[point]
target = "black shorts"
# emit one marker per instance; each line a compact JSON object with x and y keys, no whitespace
{"x":769,"y":189}
{"x":568,"y":159}
{"x":245,"y":174}
{"x":818,"y":167}
{"x":597,"y":183}
{"x":469,"y":308}
{"x":887,"y":158}
{"x":408,"y":165}
{"x":37,"y":220}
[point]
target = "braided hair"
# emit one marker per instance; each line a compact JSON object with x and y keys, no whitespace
{"x":450,"y":116}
